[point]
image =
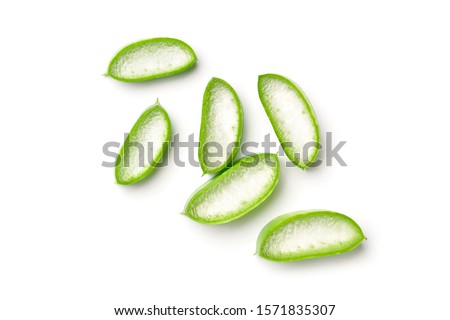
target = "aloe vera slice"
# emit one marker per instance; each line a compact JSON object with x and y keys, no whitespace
{"x":151,"y":59}
{"x":221,"y":126}
{"x":292,"y":118}
{"x":144,"y":146}
{"x":236,"y":191}
{"x":308,"y":234}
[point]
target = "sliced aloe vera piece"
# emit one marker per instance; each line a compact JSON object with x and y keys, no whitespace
{"x":308,"y":234}
{"x":221,"y":126}
{"x":292,"y":118}
{"x":236,"y":191}
{"x":144,"y":146}
{"x":150,"y":59}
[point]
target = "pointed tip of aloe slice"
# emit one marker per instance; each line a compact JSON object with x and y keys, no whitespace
{"x":205,"y":172}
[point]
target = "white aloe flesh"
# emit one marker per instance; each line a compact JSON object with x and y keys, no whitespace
{"x":236,"y":191}
{"x":292,"y":118}
{"x":150,"y":59}
{"x":308,"y":234}
{"x":144,"y":146}
{"x":221,"y":126}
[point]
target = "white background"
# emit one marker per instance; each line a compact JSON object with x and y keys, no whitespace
{"x":74,"y":244}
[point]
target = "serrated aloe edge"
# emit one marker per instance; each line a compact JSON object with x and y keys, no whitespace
{"x":221,"y":126}
{"x":308,"y":234}
{"x":292,"y":118}
{"x":236,"y":191}
{"x":144,"y":146}
{"x":150,"y":59}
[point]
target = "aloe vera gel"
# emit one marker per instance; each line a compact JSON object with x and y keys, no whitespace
{"x":308,"y":234}
{"x":292,"y":118}
{"x":235,"y":192}
{"x":239,"y":186}
{"x":151,"y":59}
{"x":221,"y":126}
{"x":144,"y":146}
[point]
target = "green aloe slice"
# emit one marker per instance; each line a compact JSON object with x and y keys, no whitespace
{"x":144,"y":146}
{"x":292,"y":118}
{"x":221,"y":126}
{"x":150,"y":59}
{"x":235,"y":192}
{"x":308,"y":234}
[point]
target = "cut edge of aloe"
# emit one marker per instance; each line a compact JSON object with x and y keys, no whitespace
{"x":205,"y":107}
{"x":157,"y":158}
{"x":284,"y":219}
{"x":216,"y":179}
{"x":277,"y":129}
{"x":183,"y":44}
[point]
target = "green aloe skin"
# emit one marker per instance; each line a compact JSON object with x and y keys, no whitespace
{"x":151,"y":59}
{"x":292,"y":118}
{"x":221,"y":126}
{"x":236,"y":191}
{"x":308,"y":234}
{"x":144,"y":146}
